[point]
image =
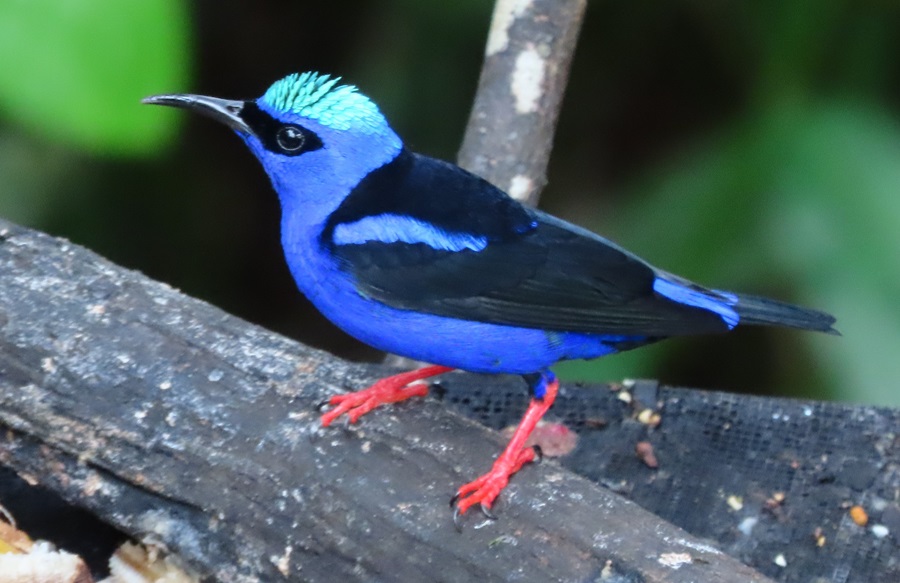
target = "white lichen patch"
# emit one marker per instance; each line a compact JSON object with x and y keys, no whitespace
{"x":520,"y":187}
{"x":505,"y":14}
{"x":283,"y":563}
{"x":527,"y":80}
{"x":697,"y":546}
{"x":880,"y":530}
{"x":48,"y":365}
{"x":675,"y":560}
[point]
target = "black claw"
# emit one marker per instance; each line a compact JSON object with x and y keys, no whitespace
{"x":539,"y":454}
{"x":487,"y":512}
{"x":437,"y":390}
{"x":322,"y":404}
{"x":457,"y":515}
{"x":456,"y":520}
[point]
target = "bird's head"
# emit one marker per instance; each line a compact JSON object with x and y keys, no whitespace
{"x":315,"y":138}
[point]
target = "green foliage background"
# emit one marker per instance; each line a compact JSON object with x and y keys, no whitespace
{"x":753,"y":146}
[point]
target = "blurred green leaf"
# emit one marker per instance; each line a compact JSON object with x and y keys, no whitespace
{"x":834,"y":225}
{"x":75,"y":71}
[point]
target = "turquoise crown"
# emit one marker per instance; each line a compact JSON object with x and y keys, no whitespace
{"x":320,"y":98}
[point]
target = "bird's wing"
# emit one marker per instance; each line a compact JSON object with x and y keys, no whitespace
{"x":423,"y":235}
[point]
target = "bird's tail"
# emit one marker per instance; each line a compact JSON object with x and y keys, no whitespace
{"x":760,"y":311}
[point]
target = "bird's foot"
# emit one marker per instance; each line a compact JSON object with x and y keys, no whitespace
{"x":390,"y":390}
{"x":484,"y":490}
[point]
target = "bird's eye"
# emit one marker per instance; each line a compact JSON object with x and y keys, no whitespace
{"x":290,"y":138}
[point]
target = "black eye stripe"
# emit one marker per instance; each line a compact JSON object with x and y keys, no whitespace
{"x":268,"y":130}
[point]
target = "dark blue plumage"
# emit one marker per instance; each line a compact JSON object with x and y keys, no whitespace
{"x":418,"y":257}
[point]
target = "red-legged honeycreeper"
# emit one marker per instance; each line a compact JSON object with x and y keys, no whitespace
{"x":420,"y":258}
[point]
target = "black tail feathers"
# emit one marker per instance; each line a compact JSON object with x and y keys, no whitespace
{"x":760,"y":311}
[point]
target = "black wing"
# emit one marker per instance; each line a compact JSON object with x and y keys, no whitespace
{"x":526,"y":268}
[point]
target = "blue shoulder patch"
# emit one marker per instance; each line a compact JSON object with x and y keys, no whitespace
{"x":682,"y":294}
{"x":392,"y":228}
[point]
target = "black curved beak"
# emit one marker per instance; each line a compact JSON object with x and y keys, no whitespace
{"x":222,"y":110}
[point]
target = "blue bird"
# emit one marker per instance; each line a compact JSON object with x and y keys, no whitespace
{"x":420,"y":258}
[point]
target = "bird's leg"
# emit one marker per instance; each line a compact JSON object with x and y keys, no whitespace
{"x":390,"y":390}
{"x":484,"y":490}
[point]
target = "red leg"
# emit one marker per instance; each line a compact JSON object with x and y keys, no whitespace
{"x":390,"y":390}
{"x":484,"y":490}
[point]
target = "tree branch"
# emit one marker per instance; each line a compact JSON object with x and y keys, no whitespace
{"x":510,"y":132}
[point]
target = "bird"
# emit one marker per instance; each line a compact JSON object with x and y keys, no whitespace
{"x":418,"y":257}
